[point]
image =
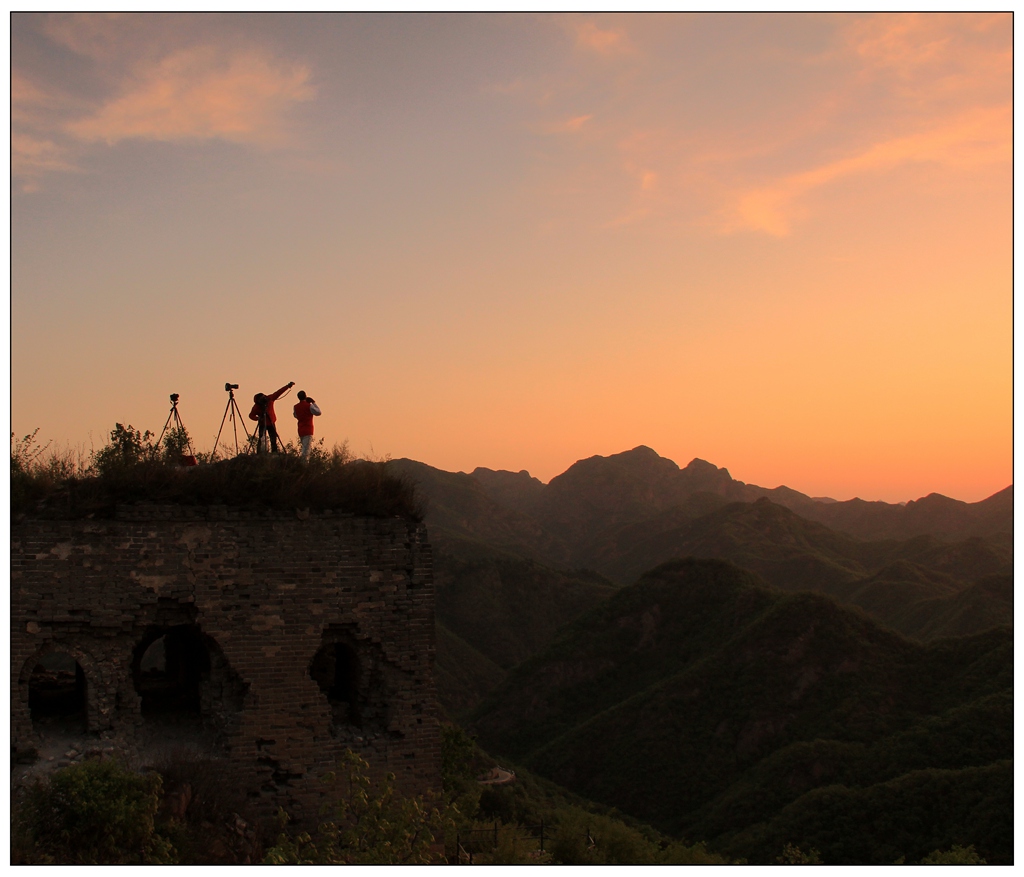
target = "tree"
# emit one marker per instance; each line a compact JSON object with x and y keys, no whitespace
{"x":127,"y":448}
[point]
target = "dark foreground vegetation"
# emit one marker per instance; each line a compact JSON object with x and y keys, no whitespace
{"x":101,"y":812}
{"x":132,"y":467}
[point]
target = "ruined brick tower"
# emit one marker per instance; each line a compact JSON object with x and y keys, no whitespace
{"x":267,"y":641}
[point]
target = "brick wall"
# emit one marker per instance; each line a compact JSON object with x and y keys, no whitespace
{"x":264,"y":598}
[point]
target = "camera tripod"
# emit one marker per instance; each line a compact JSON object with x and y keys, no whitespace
{"x":232,"y":409}
{"x":175,"y":418}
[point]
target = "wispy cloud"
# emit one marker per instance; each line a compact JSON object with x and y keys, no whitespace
{"x":151,"y":83}
{"x":912,"y":45}
{"x":571,"y":125}
{"x":978,"y":137}
{"x":201,"y":94}
{"x":896,"y":91}
{"x":605,"y":41}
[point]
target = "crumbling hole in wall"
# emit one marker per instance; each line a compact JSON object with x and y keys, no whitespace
{"x":350,"y":673}
{"x":335,"y":668}
{"x":57,"y":694}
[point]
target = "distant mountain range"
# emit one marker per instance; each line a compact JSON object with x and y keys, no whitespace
{"x":516,"y":559}
{"x":562,"y":521}
{"x":745,"y":666}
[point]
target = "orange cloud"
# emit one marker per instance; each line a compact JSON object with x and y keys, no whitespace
{"x":906,"y":43}
{"x":199,"y":94}
{"x":978,"y":137}
{"x":571,"y":125}
{"x":606,"y":42}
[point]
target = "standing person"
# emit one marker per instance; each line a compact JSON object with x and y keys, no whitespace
{"x":305,"y":410}
{"x":263,"y":413}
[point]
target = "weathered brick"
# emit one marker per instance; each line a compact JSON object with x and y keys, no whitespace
{"x":267,"y":592}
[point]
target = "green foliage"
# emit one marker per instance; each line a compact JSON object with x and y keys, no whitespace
{"x":585,"y":838}
{"x":176,"y":444}
{"x":793,"y":855}
{"x":501,"y":824}
{"x":127,"y":448}
{"x":25,"y":452}
{"x":37,"y":470}
{"x":909,"y":816}
{"x":96,"y":812}
{"x":370,"y":824}
{"x":955,"y":855}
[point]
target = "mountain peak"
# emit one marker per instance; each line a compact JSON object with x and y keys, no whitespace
{"x":697,"y":466}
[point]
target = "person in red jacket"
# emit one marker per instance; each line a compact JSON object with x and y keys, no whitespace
{"x":305,"y":410}
{"x":263,"y":413}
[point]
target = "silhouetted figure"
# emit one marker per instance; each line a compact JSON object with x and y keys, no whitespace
{"x":305,"y":410}
{"x":263,"y":413}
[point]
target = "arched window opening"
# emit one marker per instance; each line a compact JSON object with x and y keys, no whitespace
{"x":188,"y":692}
{"x":57,"y":694}
{"x":169,"y":667}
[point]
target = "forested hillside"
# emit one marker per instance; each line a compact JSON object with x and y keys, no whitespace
{"x":717,"y":708}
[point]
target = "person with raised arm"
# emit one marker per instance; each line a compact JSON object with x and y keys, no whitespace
{"x":266,"y":420}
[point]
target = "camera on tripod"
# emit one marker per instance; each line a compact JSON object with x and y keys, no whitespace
{"x":232,"y":412}
{"x":178,"y":439}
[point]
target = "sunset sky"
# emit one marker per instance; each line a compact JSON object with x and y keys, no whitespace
{"x":781,"y":243}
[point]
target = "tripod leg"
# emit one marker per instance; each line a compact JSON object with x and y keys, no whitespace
{"x":180,"y":425}
{"x":227,"y":408}
{"x":174,"y":411}
{"x":245,"y":429}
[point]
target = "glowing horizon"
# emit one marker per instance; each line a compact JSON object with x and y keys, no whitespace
{"x":779,"y":243}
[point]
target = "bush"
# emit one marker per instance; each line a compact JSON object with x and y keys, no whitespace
{"x":370,"y":824}
{"x":203,"y":808}
{"x":955,"y":855}
{"x":584,"y":838}
{"x":96,"y":812}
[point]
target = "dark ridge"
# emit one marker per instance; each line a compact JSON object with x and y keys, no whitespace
{"x":278,"y":481}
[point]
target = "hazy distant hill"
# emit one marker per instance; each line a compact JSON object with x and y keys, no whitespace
{"x":708,"y":704}
{"x":887,"y":579}
{"x":934,"y":515}
{"x":603,"y":492}
{"x":561,"y":521}
{"x":457,"y":505}
{"x":494,"y":610}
